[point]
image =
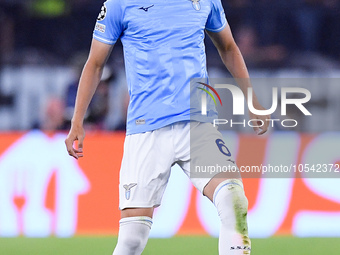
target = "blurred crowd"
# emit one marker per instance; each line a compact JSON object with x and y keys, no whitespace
{"x":107,"y":109}
{"x":293,"y":33}
{"x":45,"y":31}
{"x":269,"y":33}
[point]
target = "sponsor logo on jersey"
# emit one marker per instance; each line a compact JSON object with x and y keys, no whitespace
{"x":145,"y":8}
{"x":128,"y":188}
{"x":102,"y":13}
{"x":100,"y":27}
{"x":196,"y":4}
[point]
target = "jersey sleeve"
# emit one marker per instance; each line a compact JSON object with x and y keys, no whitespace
{"x":216,"y":19}
{"x":109,"y":25}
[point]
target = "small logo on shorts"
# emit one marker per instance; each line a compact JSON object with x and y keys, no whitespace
{"x":232,"y":161}
{"x":128,"y":188}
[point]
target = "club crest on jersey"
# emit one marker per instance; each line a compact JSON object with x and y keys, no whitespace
{"x":196,"y":4}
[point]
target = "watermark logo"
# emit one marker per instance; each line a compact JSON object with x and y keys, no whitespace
{"x":239,"y":102}
{"x":204,"y":97}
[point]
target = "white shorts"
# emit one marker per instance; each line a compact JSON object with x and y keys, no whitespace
{"x":148,"y":158}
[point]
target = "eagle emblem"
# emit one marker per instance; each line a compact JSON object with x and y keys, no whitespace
{"x":128,"y":188}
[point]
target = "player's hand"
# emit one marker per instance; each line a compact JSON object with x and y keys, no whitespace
{"x":259,"y":122}
{"x":77,"y":133}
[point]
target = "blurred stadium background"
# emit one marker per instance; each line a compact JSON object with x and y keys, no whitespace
{"x":70,"y":207}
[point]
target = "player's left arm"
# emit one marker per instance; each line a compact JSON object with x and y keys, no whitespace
{"x":234,"y":62}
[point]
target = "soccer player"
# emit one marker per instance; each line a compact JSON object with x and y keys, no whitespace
{"x":163,"y":45}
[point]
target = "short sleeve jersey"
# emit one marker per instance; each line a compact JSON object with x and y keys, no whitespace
{"x":164,"y":49}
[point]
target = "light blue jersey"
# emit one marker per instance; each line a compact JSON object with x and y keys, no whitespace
{"x":163,"y":43}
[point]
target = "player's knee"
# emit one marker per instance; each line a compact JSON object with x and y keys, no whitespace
{"x":134,"y":242}
{"x":133,"y":235}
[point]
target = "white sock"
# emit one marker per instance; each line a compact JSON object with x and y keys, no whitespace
{"x":133,"y":235}
{"x":232,"y":207}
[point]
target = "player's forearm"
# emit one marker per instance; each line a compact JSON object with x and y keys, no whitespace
{"x":87,"y":86}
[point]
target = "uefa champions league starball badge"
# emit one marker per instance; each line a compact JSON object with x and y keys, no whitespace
{"x":196,"y":4}
{"x":102,"y":13}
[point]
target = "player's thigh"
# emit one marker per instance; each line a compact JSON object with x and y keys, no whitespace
{"x":145,"y":170}
{"x":211,"y":186}
{"x":135,"y":212}
{"x":211,"y":161}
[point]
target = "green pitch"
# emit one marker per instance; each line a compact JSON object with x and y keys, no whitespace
{"x":177,"y":245}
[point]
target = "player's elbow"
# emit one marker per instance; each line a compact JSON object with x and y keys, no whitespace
{"x":231,"y":46}
{"x":93,"y":66}
{"x":229,"y":52}
{"x":94,"y":63}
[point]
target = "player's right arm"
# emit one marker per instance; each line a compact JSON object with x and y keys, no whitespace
{"x":88,"y":83}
